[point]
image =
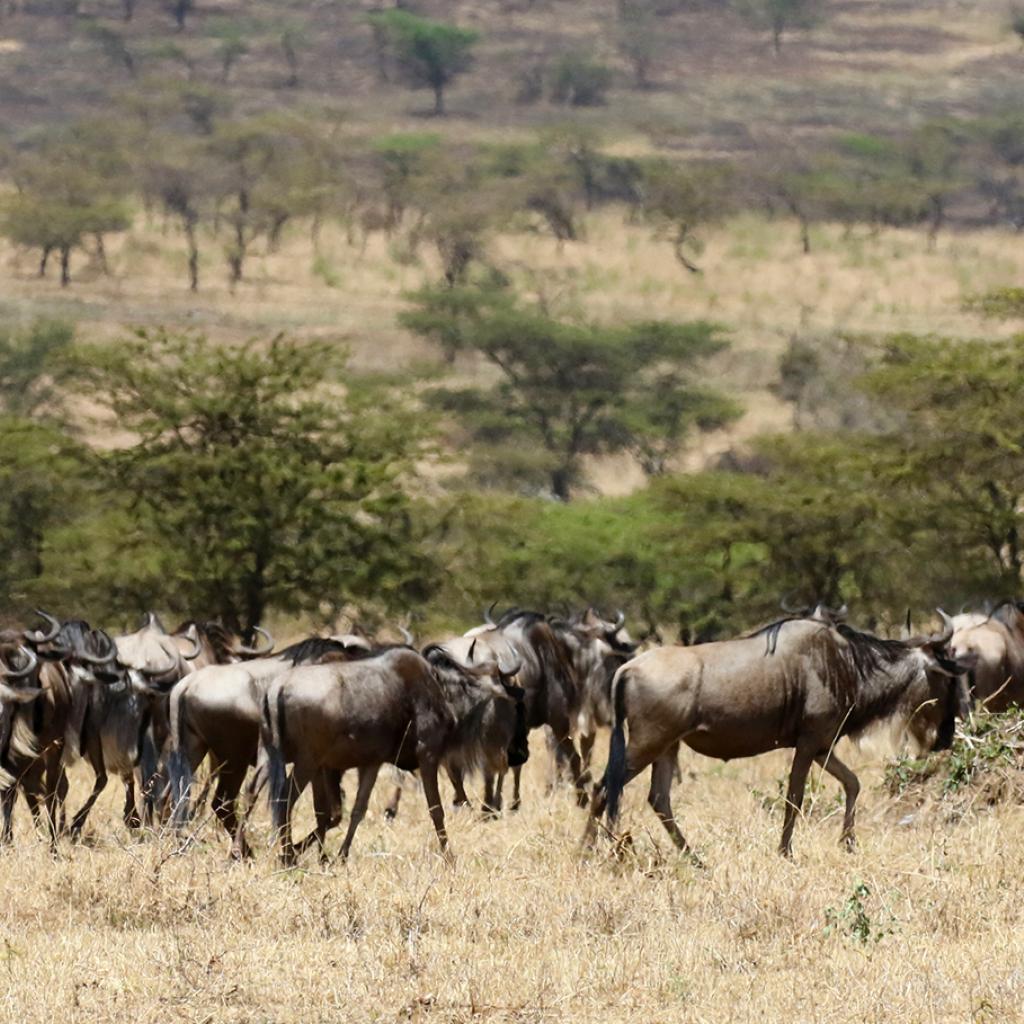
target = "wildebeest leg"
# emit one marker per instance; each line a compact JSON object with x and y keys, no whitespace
{"x":660,"y":795}
{"x":492,"y":794}
{"x":391,"y":811}
{"x":55,"y":787}
{"x":587,"y":741}
{"x":225,"y":797}
{"x":458,"y":780}
{"x":328,"y":806}
{"x":428,"y":775}
{"x":851,"y":786}
{"x":7,"y":800}
{"x":131,"y":810}
{"x":94,"y":754}
{"x":517,"y":775}
{"x":367,"y":778}
{"x":568,"y":749}
{"x":802,"y":759}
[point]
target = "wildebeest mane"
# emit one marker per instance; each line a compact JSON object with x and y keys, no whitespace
{"x":313,"y":648}
{"x":869,"y":653}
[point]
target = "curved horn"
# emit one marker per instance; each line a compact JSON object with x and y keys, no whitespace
{"x":100,"y":659}
{"x":620,"y":620}
{"x":21,"y":673}
{"x":409,"y":639}
{"x":472,"y":648}
{"x":196,"y":643}
{"x":488,"y":612}
{"x":947,"y":628}
{"x":36,"y":636}
{"x":788,"y":608}
{"x":258,"y":652}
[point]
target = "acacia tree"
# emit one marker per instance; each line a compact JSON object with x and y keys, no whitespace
{"x":781,"y":16}
{"x":67,"y":193}
{"x":261,"y":487}
{"x":573,"y":388}
{"x":426,"y":54}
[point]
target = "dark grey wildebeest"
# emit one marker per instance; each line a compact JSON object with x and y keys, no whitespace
{"x":799,"y":683}
{"x":398,"y":707}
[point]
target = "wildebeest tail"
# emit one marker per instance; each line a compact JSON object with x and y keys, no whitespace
{"x":615,"y":774}
{"x":179,"y":767}
{"x":272,"y":738}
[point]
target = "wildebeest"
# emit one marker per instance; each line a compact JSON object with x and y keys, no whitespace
{"x":799,"y":683}
{"x":210,"y":643}
{"x":126,"y":718}
{"x":72,"y":656}
{"x":216,"y":712}
{"x":397,"y":707}
{"x":548,"y":651}
{"x":992,"y":647}
{"x":502,"y":735}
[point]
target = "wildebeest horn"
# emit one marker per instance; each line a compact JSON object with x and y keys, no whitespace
{"x":908,"y":628}
{"x":21,"y":673}
{"x":196,"y":644}
{"x":620,"y":619}
{"x":947,"y":628}
{"x":258,"y":651}
{"x":788,"y":608}
{"x":488,"y":612}
{"x":409,"y":639}
{"x":36,"y":636}
{"x":100,"y":659}
{"x":472,"y":648}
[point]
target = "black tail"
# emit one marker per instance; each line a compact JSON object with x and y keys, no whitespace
{"x":272,"y":740}
{"x":179,"y":767}
{"x":615,"y":774}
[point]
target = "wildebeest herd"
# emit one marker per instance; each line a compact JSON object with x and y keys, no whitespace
{"x":152,"y":706}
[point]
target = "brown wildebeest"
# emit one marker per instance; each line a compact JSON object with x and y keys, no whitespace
{"x":398,"y":707}
{"x":992,"y":648}
{"x":800,"y":683}
{"x":215,"y":712}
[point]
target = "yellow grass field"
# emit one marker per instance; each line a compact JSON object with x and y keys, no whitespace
{"x":921,"y":924}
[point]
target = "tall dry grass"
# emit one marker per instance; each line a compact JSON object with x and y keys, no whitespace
{"x":922,"y":923}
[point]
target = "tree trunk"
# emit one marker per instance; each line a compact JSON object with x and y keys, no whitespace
{"x":44,"y":259}
{"x":777,"y":38}
{"x":439,"y":101}
{"x":101,"y":255}
{"x":193,"y":254}
{"x":680,"y":241}
{"x":127,"y":9}
{"x":936,"y":221}
{"x":561,"y":479}
{"x":65,"y":266}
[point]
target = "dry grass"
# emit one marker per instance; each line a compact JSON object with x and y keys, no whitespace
{"x":521,"y":930}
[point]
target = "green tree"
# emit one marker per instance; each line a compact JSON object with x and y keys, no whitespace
{"x":962,"y":442}
{"x":574,"y":388}
{"x":427,"y":54}
{"x":254,"y":481}
{"x":679,"y":200}
{"x":69,"y":191}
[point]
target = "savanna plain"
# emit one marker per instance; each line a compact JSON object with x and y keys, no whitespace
{"x":922,"y":922}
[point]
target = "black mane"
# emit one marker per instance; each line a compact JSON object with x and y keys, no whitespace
{"x":312,"y":649}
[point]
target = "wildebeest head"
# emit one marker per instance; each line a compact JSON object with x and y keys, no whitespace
{"x":941,"y":692}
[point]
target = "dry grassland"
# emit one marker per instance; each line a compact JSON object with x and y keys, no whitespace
{"x":522,"y":930}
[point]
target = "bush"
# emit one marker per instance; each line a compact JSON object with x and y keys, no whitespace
{"x":578,"y":80}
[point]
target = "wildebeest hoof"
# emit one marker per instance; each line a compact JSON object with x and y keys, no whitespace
{"x":390,"y":813}
{"x":582,"y":798}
